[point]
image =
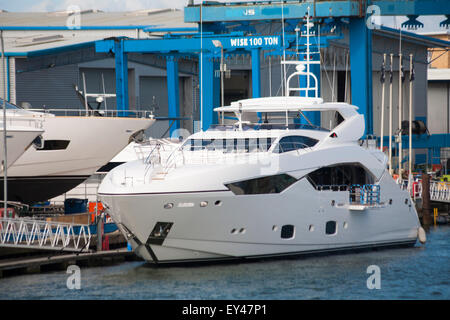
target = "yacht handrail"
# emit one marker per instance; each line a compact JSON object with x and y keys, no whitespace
{"x":209,"y":156}
{"x":267,"y":126}
{"x":101,"y":113}
{"x":23,"y":119}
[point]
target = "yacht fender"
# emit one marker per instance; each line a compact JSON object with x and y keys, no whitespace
{"x":421,"y":235}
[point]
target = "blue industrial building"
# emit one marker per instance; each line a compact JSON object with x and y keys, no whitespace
{"x":253,"y":37}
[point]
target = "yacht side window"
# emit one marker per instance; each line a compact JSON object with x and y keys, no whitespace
{"x":291,"y":143}
{"x":241,"y":145}
{"x":55,"y":145}
{"x":340,"y":177}
{"x":264,"y":185}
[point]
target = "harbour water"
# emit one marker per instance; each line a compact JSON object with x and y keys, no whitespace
{"x":422,"y":272}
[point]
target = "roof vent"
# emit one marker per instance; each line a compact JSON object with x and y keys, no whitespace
{"x":148,"y":12}
{"x":38,"y":39}
{"x":71,"y":12}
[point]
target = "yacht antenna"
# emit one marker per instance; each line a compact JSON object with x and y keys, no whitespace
{"x":346,"y":76}
{"x":85,"y":94}
{"x":391,"y":74}
{"x":301,"y":66}
{"x":400,"y":115}
{"x":411,"y":79}
{"x":307,"y":53}
{"x":104,"y":92}
{"x":383,"y":84}
{"x":284,"y":84}
{"x":201,"y":66}
{"x":270,"y":76}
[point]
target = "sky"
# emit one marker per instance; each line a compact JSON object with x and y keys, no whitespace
{"x":104,"y":5}
{"x":431,"y":22}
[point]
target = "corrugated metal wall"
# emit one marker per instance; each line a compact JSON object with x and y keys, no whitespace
{"x":12,"y":79}
{"x":51,"y":87}
{"x":438,"y":107}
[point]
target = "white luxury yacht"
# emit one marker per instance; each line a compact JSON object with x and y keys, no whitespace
{"x":262,"y":188}
{"x":74,"y":146}
{"x":21,"y":132}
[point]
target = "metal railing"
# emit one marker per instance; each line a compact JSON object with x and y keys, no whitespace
{"x":38,"y":234}
{"x":440,"y":191}
{"x":367,"y":194}
{"x":100,"y":113}
{"x":22,"y":119}
{"x":207,"y":154}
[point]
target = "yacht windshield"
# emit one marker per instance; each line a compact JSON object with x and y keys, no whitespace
{"x":291,"y":143}
{"x":229,"y":145}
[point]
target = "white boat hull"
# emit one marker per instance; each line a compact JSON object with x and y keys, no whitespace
{"x":93,"y":142}
{"x":39,"y":175}
{"x":206,"y":233}
{"x":19,"y":139}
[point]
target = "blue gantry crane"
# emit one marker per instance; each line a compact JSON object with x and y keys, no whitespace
{"x":232,"y":23}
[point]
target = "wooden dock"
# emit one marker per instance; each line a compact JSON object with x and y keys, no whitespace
{"x":27,"y":265}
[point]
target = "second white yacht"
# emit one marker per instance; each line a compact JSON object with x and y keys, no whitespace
{"x":20,"y":135}
{"x":74,"y":147}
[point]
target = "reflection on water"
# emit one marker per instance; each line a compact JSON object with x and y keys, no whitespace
{"x":422,"y":272}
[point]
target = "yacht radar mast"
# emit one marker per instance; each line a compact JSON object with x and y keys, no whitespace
{"x":302,"y":65}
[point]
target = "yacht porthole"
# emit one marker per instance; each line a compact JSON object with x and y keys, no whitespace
{"x":168,"y":206}
{"x":311,"y":228}
{"x":333,"y":203}
{"x":345,"y":225}
{"x":203,"y":203}
{"x":331,"y":228}
{"x":242,"y":230}
{"x":275,"y":228}
{"x":218,"y":203}
{"x":233,"y":231}
{"x":287,"y":231}
{"x":406,"y":201}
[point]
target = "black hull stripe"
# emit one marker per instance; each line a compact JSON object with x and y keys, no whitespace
{"x":19,"y":178}
{"x":30,"y":190}
{"x":353,"y":249}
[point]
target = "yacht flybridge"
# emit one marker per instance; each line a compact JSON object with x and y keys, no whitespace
{"x":275,"y":186}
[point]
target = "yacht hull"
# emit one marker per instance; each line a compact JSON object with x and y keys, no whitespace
{"x":252,"y":226}
{"x":19,"y":140}
{"x":39,"y":188}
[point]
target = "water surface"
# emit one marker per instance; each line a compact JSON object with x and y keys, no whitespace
{"x":421,"y":272}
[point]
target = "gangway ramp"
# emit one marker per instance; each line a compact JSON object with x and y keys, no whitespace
{"x":46,"y":235}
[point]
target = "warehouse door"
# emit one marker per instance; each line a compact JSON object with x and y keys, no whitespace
{"x":237,"y":87}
